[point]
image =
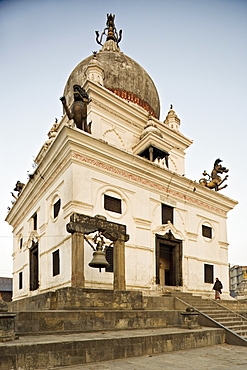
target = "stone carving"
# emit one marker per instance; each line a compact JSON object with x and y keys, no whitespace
{"x":110,"y":31}
{"x":18,"y":187}
{"x":214,"y":181}
{"x":78,"y":110}
{"x":87,"y":225}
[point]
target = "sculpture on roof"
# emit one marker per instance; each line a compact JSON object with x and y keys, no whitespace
{"x":78,"y":110}
{"x":110,"y":31}
{"x":18,"y":187}
{"x":214,"y":181}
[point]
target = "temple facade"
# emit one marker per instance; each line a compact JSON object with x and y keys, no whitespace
{"x":112,"y":157}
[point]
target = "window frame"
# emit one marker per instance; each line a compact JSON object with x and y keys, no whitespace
{"x":20,"y":280}
{"x":56,"y":263}
{"x":56,"y":207}
{"x":207,"y":232}
{"x":109,"y":200}
{"x":166,"y":217}
{"x":109,"y":252}
{"x":208,"y":270}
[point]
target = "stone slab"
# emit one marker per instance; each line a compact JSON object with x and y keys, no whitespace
{"x":45,"y":352}
{"x":72,"y":321}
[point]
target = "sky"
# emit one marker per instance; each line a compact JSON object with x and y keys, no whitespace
{"x":194,"y":50}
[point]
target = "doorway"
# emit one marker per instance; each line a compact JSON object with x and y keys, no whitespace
{"x":34,"y":266}
{"x":168,"y":260}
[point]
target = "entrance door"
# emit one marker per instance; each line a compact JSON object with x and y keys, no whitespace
{"x":34,"y":267}
{"x":168,"y":260}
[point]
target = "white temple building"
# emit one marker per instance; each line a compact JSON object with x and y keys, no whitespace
{"x":129,"y":166}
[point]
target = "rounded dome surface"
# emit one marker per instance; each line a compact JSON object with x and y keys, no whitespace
{"x":123,"y":76}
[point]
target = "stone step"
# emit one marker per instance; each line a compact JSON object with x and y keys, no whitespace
{"x":225,"y":314}
{"x":231,"y":323}
{"x":64,"y":350}
{"x":242,"y":333}
{"x":213,"y":310}
{"x":237,"y":328}
{"x":72,"y":321}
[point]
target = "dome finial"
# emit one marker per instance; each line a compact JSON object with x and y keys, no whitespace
{"x":111,"y":30}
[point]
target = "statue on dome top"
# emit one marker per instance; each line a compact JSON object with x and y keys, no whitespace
{"x":110,"y":31}
{"x":78,"y":110}
{"x":214,"y":181}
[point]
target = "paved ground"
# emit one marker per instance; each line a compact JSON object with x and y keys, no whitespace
{"x":222,"y":356}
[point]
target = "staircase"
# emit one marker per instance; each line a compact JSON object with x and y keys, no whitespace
{"x":213,"y":313}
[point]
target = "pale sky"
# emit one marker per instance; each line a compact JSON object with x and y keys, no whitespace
{"x":194,"y":50}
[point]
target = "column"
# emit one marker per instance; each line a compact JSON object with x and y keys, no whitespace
{"x":77,"y":276}
{"x":119,"y":264}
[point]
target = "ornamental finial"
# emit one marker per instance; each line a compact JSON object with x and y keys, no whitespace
{"x":110,"y":31}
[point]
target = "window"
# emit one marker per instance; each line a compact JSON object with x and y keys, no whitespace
{"x":34,"y":266}
{"x":21,"y":243}
{"x":109,"y":258}
{"x":56,"y":263}
{"x":112,"y":204}
{"x":34,"y":221}
{"x":208,"y":274}
{"x":207,"y":231}
{"x":20,"y":280}
{"x":166,"y":214}
{"x":56,"y":208}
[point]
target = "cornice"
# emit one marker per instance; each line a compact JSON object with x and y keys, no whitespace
{"x":74,"y":146}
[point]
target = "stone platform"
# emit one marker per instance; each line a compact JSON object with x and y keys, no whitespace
{"x":73,"y":326}
{"x":51,"y":351}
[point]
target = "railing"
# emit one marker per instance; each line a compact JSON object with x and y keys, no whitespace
{"x":231,"y":336}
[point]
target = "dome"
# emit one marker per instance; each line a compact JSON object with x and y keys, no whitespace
{"x":122,"y":75}
{"x":151,"y":128}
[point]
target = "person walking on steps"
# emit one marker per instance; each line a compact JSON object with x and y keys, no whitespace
{"x":217,"y":287}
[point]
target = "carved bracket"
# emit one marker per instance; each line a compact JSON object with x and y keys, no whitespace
{"x":87,"y":225}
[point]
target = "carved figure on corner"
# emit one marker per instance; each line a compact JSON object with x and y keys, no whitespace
{"x":214,"y":181}
{"x":78,"y":110}
{"x":18,"y":187}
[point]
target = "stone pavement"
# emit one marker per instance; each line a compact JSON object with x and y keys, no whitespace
{"x":222,"y":356}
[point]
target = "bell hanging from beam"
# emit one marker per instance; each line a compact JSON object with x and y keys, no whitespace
{"x":99,"y":258}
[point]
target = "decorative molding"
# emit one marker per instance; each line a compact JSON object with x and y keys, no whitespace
{"x":116,"y":114}
{"x":113,"y":129}
{"x":192,"y":236}
{"x":146,"y":182}
{"x":169,"y":227}
{"x":212,"y":262}
{"x":41,"y":192}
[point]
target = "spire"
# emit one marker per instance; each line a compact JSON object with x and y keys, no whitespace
{"x":172,"y":119}
{"x":110,"y":32}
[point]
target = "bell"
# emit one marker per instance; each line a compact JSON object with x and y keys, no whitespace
{"x":99,"y":259}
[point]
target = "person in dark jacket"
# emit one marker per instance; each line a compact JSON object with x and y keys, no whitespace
{"x":217,"y":287}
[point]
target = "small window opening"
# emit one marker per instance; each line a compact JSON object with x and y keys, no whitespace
{"x":112,"y":204}
{"x":34,"y":221}
{"x":20,"y":280}
{"x":109,"y":258}
{"x":207,"y":231}
{"x":21,"y":243}
{"x":56,"y":263}
{"x":166,"y":214}
{"x":208,"y":274}
{"x":56,"y":208}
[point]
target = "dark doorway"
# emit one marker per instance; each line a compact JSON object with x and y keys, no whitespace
{"x":34,"y":266}
{"x":168,"y":260}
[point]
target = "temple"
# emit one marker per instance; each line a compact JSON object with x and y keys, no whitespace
{"x":112,"y":169}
